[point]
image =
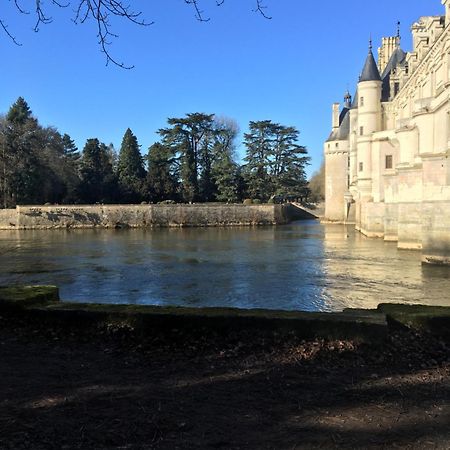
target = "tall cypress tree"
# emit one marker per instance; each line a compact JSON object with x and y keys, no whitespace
{"x":130,"y":169}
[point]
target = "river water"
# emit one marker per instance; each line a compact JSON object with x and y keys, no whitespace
{"x":301,"y":266}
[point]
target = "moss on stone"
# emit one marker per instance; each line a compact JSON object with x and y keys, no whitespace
{"x":431,"y":319}
{"x":364,"y":326}
{"x":24,"y":296}
{"x":371,"y":325}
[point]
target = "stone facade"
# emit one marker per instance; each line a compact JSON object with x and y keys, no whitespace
{"x":140,"y":216}
{"x":387,"y":165}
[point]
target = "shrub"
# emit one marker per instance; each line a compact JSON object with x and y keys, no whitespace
{"x":248,"y":201}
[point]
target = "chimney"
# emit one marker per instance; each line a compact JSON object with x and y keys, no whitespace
{"x":335,"y":115}
{"x":388,"y":46}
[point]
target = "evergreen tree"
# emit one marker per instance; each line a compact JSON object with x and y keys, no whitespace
{"x":161,"y":181}
{"x":287,"y":163}
{"x":227,"y":180}
{"x":19,"y":113}
{"x":189,"y":138}
{"x":207,"y":186}
{"x":225,"y":171}
{"x":20,"y":145}
{"x":37,"y":165}
{"x":259,"y":143}
{"x":275,"y":161}
{"x":70,"y":149}
{"x":98,"y":180}
{"x":130,"y":169}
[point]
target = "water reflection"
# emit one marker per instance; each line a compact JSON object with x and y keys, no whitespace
{"x":304,"y":266}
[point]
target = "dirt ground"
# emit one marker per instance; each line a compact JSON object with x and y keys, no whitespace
{"x":63,"y":389}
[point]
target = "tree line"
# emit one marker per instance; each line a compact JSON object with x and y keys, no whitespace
{"x":194,"y":161}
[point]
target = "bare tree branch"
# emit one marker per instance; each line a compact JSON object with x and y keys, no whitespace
{"x":101,"y":12}
{"x":260,"y":8}
{"x":198,"y":11}
{"x":5,"y":29}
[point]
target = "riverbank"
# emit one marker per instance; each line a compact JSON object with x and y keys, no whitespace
{"x":69,"y":382}
{"x":65,"y":388}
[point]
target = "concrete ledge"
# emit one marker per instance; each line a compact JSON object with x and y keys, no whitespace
{"x":431,"y":319}
{"x":42,"y":303}
{"x":360,"y":325}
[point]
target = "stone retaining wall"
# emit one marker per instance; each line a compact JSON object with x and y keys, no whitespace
{"x":139,"y":216}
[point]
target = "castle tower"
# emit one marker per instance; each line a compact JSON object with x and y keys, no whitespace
{"x":369,"y":120}
{"x":336,"y":162}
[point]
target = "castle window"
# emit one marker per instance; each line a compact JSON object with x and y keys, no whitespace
{"x":361,"y":101}
{"x":388,"y":162}
{"x":361,"y":166}
{"x":396,"y":88}
{"x":337,"y":145}
{"x":361,"y":131}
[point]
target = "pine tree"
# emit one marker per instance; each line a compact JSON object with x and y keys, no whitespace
{"x":21,"y":167}
{"x":19,"y":113}
{"x":161,"y":181}
{"x":70,"y":149}
{"x":130,"y":169}
{"x":98,"y":183}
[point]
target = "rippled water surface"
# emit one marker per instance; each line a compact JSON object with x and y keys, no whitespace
{"x":305,"y":265}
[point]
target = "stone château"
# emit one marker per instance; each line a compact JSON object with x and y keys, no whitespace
{"x":387,"y":166}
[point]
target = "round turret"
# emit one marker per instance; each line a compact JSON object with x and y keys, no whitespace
{"x":369,"y":119}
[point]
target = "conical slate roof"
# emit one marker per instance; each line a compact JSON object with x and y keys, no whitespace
{"x":370,"y":71}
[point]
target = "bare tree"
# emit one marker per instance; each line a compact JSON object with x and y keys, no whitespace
{"x":102,"y":12}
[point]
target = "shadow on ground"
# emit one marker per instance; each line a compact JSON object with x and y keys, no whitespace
{"x":62,"y":389}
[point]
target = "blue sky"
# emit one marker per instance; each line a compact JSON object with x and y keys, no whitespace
{"x":240,"y":65}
